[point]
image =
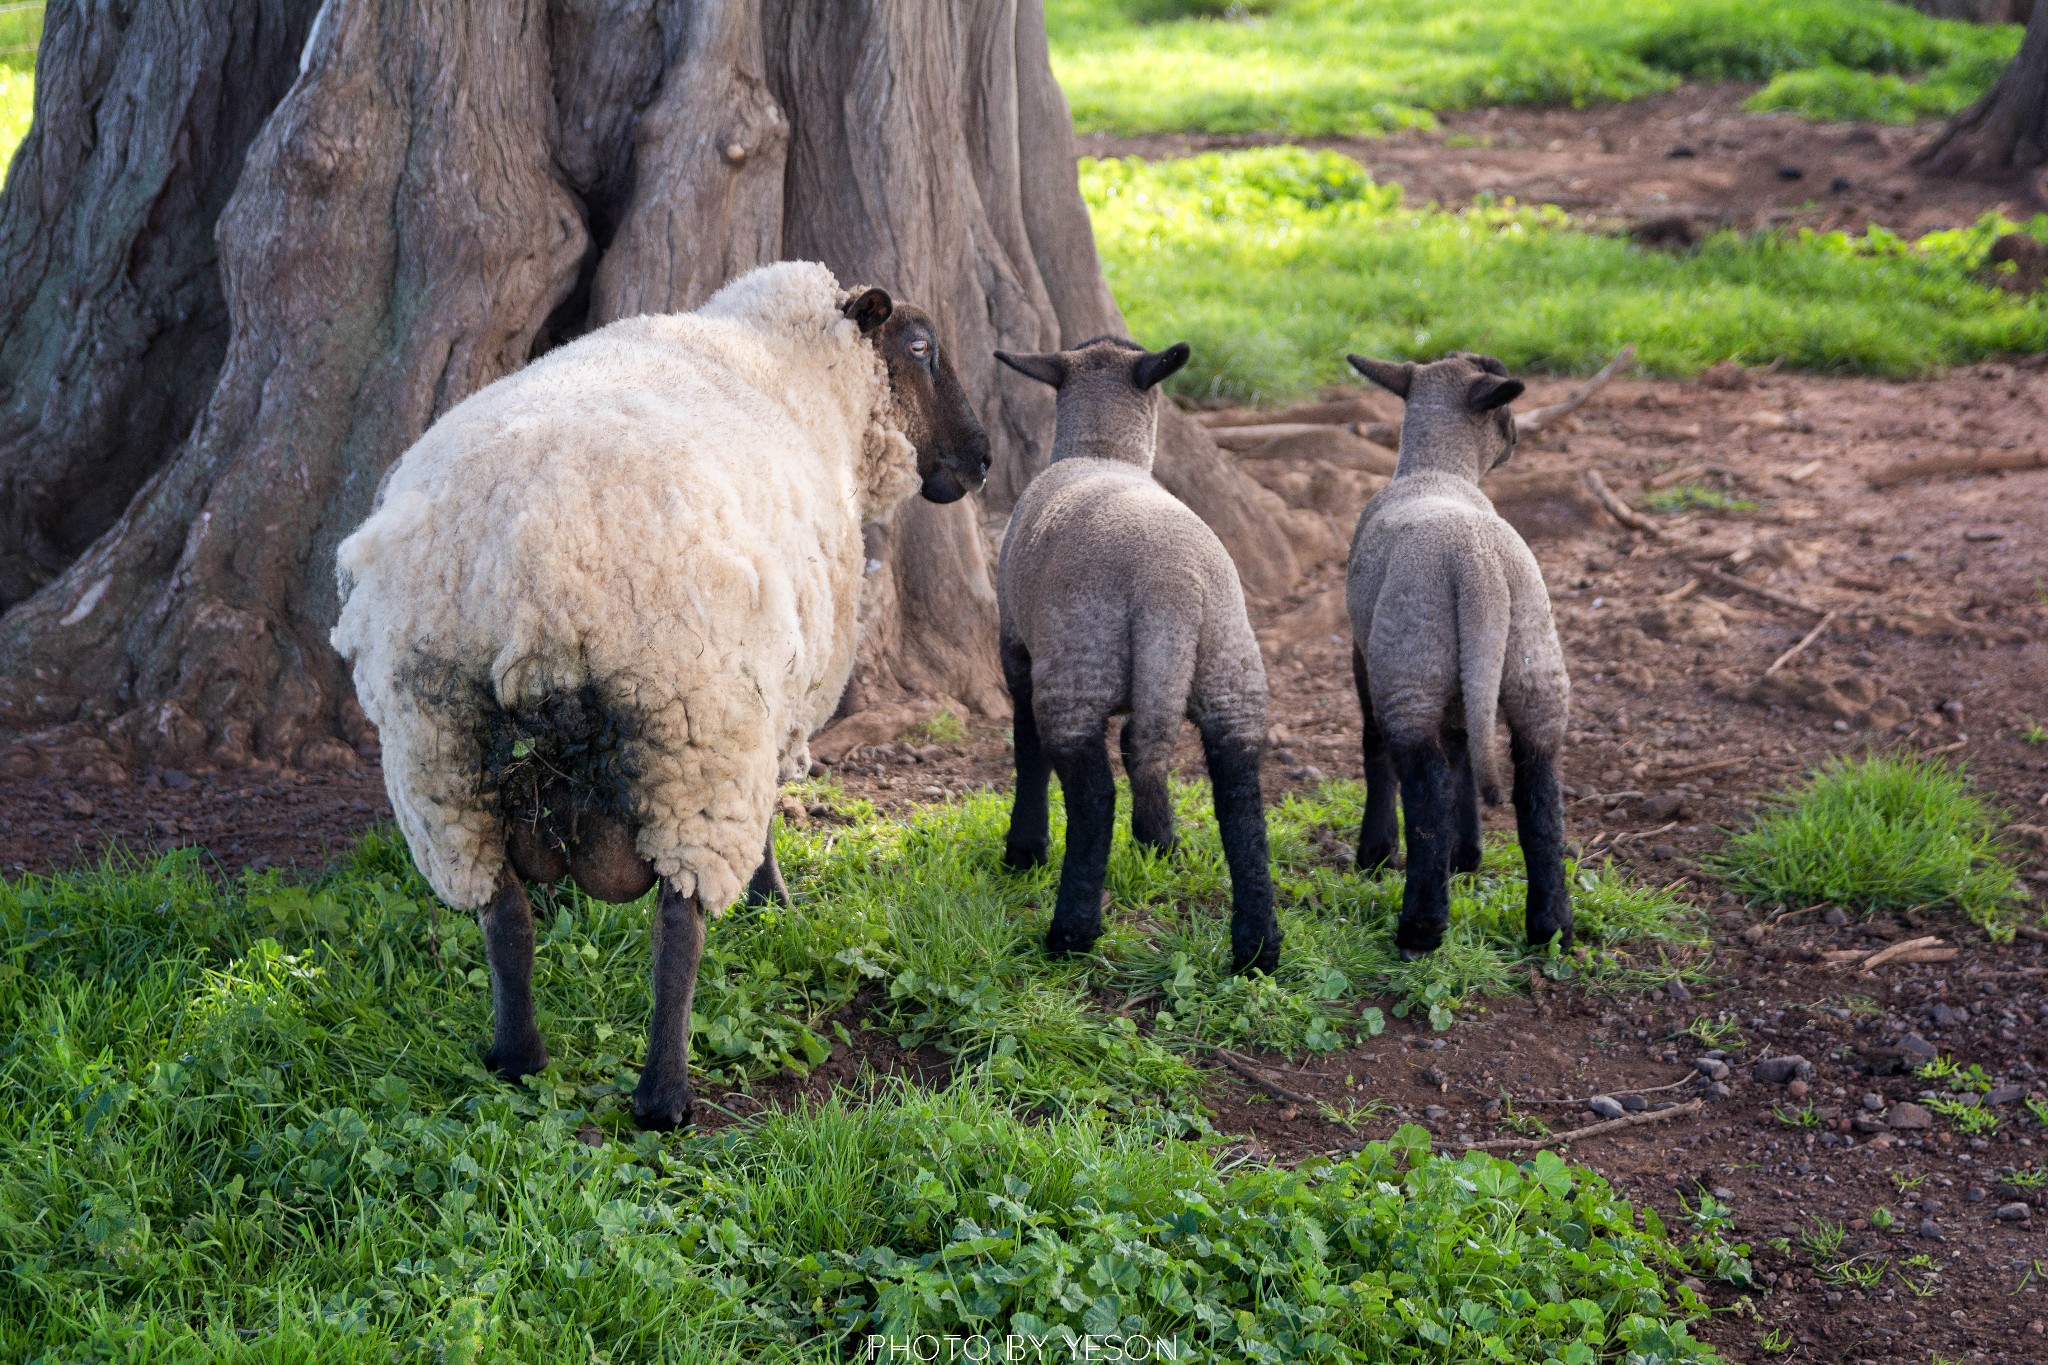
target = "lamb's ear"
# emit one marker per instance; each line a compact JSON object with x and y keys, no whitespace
{"x":1393,"y":376}
{"x":1154,"y":366}
{"x":1049,"y":367}
{"x":869,"y":309}
{"x":1488,"y":392}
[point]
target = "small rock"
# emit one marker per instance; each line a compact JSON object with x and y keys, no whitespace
{"x":1858,"y":1224}
{"x":2006,"y":1094}
{"x":1975,"y":1194}
{"x":1676,"y":990}
{"x":1931,"y":1230}
{"x":1663,"y":852}
{"x":1866,"y":1124}
{"x":1780,"y":1070}
{"x":1722,"y":1193}
{"x":1929,"y":1206}
{"x":76,"y":805}
{"x":1665,"y":807}
{"x":1841,"y":184}
{"x":1719,"y":1091}
{"x":176,"y":780}
{"x":1796,"y":1089}
{"x":1434,"y":1112}
{"x":1307,"y":772}
{"x":1791,"y":173}
{"x":1873,"y":1101}
{"x":1835,"y":917}
{"x":1606,"y":1106}
{"x":1914,"y":1045}
{"x":1754,"y":934}
{"x":590,"y":1135}
{"x":2014,"y":1212}
{"x":1909,"y":1117}
{"x":1713,"y":1068}
{"x":1635,"y":1104}
{"x":1948,"y":1016}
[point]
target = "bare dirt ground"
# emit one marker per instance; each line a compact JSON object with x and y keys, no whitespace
{"x":1691,"y":154}
{"x":1938,"y":643}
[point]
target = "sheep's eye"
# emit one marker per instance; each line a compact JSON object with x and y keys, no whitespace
{"x":920,"y":348}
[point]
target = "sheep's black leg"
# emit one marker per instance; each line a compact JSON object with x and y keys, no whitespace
{"x":1378,"y":833}
{"x":767,"y":887}
{"x":662,"y":1099}
{"x":1090,"y":792}
{"x":1241,"y":819}
{"x":1426,"y":797}
{"x":1539,"y":823}
{"x":1466,"y":846}
{"x":1145,"y":763}
{"x":1029,"y":831}
{"x":516,"y":1048}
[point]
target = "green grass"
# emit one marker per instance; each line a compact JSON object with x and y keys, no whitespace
{"x":1690,"y":497}
{"x":1316,"y":67}
{"x":247,"y":1122}
{"x":1881,"y":832}
{"x":1274,"y":262}
{"x":18,"y":29}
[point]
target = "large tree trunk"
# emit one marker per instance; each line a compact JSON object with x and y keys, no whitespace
{"x":2007,"y":130}
{"x":447,"y":190}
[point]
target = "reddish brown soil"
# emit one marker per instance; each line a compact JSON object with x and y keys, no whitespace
{"x":1692,"y":153}
{"x":1940,"y":644}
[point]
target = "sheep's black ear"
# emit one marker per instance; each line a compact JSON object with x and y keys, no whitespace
{"x":1047,"y":368}
{"x":1488,"y":392}
{"x":1154,"y":366}
{"x":869,"y":309}
{"x":1393,"y":376}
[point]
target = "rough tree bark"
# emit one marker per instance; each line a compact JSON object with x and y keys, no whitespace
{"x":2007,"y":130}
{"x":444,"y":192}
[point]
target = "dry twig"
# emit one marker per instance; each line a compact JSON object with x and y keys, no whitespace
{"x":1983,"y":462}
{"x":1757,"y":590}
{"x":1535,"y":420}
{"x":1804,"y":641}
{"x":1616,"y":508}
{"x":1689,"y":1108}
{"x":1633,"y":1090}
{"x":1262,"y":1080}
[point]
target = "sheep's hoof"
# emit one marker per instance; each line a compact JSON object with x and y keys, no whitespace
{"x":1061,"y":940}
{"x":767,"y":888}
{"x":1260,"y":955}
{"x":1375,"y":858}
{"x":1023,"y":857}
{"x":515,"y":1060}
{"x":1418,"y":940}
{"x":1541,"y":931}
{"x":663,"y":1114}
{"x":1164,"y":848}
{"x":1466,"y":859}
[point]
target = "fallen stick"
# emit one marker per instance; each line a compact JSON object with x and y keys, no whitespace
{"x":1686,"y":1110}
{"x":1245,"y":438}
{"x":1681,"y":592}
{"x":1948,"y":748}
{"x":1616,"y":508}
{"x":1713,"y":765}
{"x":1984,"y":462}
{"x":1756,"y":590}
{"x":1263,"y":1081}
{"x":1804,"y":641}
{"x":1868,"y":959}
{"x":1633,"y":1090}
{"x":1643,"y":833}
{"x":1535,"y":420}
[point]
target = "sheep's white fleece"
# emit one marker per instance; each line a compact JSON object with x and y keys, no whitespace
{"x":669,"y":508}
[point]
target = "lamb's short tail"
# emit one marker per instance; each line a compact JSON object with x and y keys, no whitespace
{"x":1482,"y":652}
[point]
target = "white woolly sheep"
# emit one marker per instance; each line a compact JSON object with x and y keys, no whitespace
{"x":1450,"y":622}
{"x":1116,"y":599}
{"x":604,"y":603}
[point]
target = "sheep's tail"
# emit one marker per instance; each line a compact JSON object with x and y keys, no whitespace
{"x":1482,"y":653}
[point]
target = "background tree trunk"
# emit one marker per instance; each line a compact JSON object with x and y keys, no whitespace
{"x":444,"y":192}
{"x":2007,"y":130}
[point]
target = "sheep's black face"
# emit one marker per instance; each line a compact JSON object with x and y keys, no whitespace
{"x":952,"y":448}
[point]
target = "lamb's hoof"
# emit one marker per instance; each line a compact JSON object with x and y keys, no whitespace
{"x":1418,"y":940}
{"x":1164,"y":848}
{"x":655,"y":1113}
{"x":1375,"y":858}
{"x":515,"y":1060}
{"x":1541,"y":931}
{"x":767,"y":891}
{"x":1466,"y":859}
{"x":1060,"y":940}
{"x":1023,"y":857}
{"x":1261,"y":954}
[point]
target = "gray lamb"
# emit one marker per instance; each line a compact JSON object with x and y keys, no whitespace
{"x":1449,"y":622}
{"x":1116,"y":599}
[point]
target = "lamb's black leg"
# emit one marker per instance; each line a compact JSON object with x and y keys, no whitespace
{"x":1426,"y":795}
{"x":1029,"y":831}
{"x":516,"y":1048}
{"x":1378,"y":833}
{"x":1241,"y":819}
{"x":1090,"y":791}
{"x":1145,"y":763}
{"x":1466,"y":846}
{"x":1539,"y":823}
{"x":767,"y":887}
{"x":662,"y":1099}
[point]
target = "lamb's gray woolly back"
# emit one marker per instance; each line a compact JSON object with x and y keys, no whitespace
{"x":1445,"y":598}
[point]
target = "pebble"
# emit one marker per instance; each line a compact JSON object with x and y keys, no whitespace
{"x":1635,"y":1104}
{"x":1713,"y":1068}
{"x":2014,"y":1212}
{"x":76,"y":804}
{"x":1723,"y":1193}
{"x":1754,"y":934}
{"x":1665,"y":807}
{"x":175,"y":780}
{"x":1948,"y":1016}
{"x":1919,"y":1047}
{"x":1796,"y":1089}
{"x":1434,"y":1112}
{"x":1606,"y":1106}
{"x":1975,"y":1194}
{"x":1906,"y":1115}
{"x":1867,"y":1124}
{"x":1719,"y":1091}
{"x":1931,"y":1230}
{"x":1779,"y":1070}
{"x":1873,"y":1101}
{"x":1835,"y":917}
{"x":1677,"y":991}
{"x":2006,"y":1094}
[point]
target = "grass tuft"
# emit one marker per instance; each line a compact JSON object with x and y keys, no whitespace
{"x":1881,"y":832}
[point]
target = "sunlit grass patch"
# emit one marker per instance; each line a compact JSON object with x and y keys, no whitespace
{"x":1275,"y":262}
{"x":1316,"y":67}
{"x":1880,"y":832}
